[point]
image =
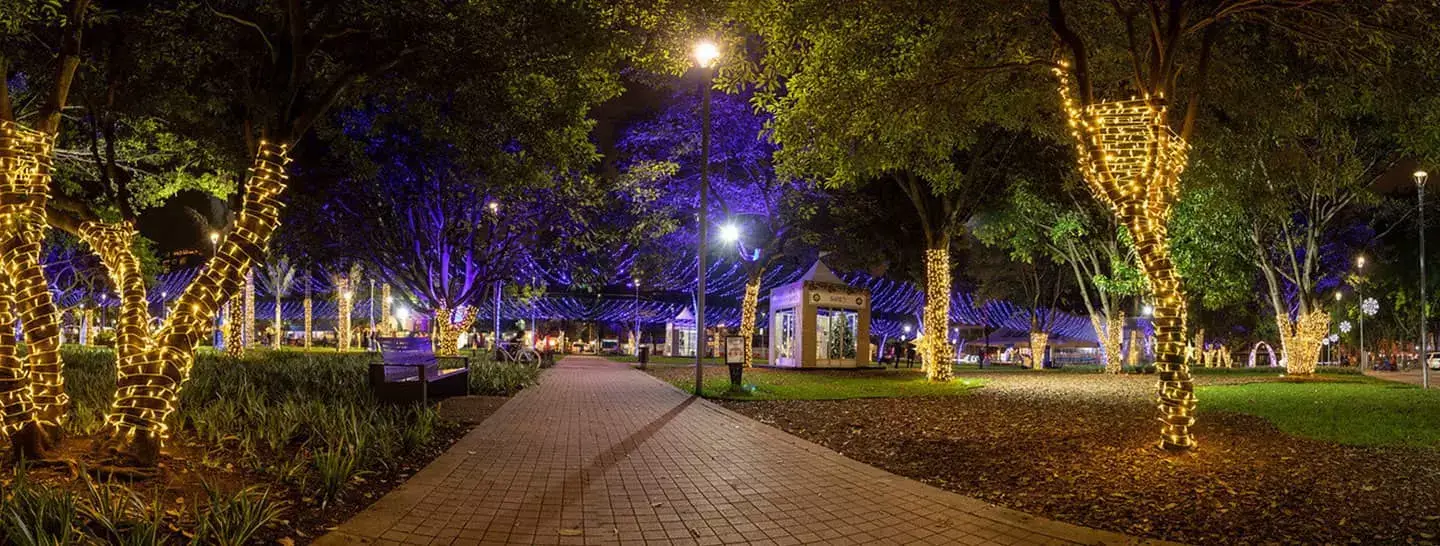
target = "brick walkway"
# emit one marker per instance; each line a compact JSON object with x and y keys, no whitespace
{"x":599,"y":453}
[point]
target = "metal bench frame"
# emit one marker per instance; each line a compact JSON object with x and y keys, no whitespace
{"x":427,"y":381}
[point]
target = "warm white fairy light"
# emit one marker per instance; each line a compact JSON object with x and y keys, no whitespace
{"x":747,"y":315}
{"x":934,"y":348}
{"x":1300,"y":340}
{"x":1132,"y":160}
{"x":148,"y":385}
{"x":447,"y":333}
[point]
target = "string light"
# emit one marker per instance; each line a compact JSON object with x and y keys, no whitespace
{"x":1039,"y":341}
{"x":386,"y":328}
{"x":1111,"y":336}
{"x":346,"y":305}
{"x":248,"y":327}
{"x":447,"y":333}
{"x":148,"y":386}
{"x":32,"y":390}
{"x":934,"y":348}
{"x":1131,"y":160}
{"x":747,"y":315}
{"x":1300,"y":341}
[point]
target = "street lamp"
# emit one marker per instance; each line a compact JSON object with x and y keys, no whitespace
{"x":1360,"y":300}
{"x":705,"y":54}
{"x":214,"y":242}
{"x":729,"y":233}
{"x":1420,"y":177}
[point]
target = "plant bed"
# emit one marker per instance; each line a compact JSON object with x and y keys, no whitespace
{"x":1082,"y":449}
{"x":276,"y":446}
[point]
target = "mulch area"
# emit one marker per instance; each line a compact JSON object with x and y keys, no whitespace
{"x":1082,"y":449}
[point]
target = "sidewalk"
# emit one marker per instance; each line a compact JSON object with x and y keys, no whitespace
{"x":600,"y":453}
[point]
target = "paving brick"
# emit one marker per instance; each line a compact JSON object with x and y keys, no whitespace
{"x":622,"y":457}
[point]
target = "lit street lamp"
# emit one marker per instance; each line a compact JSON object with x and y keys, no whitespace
{"x":636,"y":310}
{"x":729,"y":233}
{"x":1420,"y":177}
{"x":705,"y":54}
{"x":1360,"y":298}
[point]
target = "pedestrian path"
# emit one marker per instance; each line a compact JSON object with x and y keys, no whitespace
{"x":599,"y":453}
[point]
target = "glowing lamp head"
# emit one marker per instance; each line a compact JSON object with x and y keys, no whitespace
{"x":214,"y":237}
{"x":706,"y":52}
{"x":1360,"y":262}
{"x":729,"y":233}
{"x":1421,"y":177}
{"x":1337,"y":296}
{"x":907,"y":328}
{"x":1147,"y":310}
{"x":494,"y":206}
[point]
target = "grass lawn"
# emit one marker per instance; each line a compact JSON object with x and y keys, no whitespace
{"x":769,"y":384}
{"x":1354,"y":411}
{"x":664,"y":360}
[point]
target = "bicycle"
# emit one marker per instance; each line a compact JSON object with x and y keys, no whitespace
{"x":523,"y":355}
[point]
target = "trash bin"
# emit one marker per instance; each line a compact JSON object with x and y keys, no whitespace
{"x":644,"y":357}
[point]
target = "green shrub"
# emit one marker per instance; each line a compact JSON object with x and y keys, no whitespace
{"x":501,"y":378}
{"x":231,"y":520}
{"x":32,"y":514}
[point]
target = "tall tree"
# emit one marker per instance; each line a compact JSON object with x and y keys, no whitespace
{"x":1034,"y":224}
{"x":279,"y":278}
{"x":33,"y":402}
{"x":768,"y":213}
{"x":1131,"y":151}
{"x":894,"y":92}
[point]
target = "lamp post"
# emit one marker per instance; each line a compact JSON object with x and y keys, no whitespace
{"x":370,"y":340}
{"x":1344,"y":325}
{"x":1360,"y":300}
{"x":1420,"y":177}
{"x":705,"y":54}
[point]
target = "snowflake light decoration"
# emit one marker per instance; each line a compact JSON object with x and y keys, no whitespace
{"x":1333,"y":338}
{"x":1345,"y":327}
{"x":1370,"y":307}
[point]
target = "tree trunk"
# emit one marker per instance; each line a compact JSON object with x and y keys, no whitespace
{"x":747,"y":312}
{"x":385,"y":327}
{"x":1110,"y":331}
{"x":309,"y":319}
{"x":446,"y":340}
{"x":1131,"y":160}
{"x":148,"y":387}
{"x":1039,"y":342}
{"x":342,"y":313}
{"x":233,"y":314}
{"x":934,"y":347}
{"x":17,"y":409}
{"x":279,"y":324}
{"x":24,"y":192}
{"x":1300,"y":341}
{"x":247,"y":337}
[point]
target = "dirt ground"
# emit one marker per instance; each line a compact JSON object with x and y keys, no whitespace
{"x":1082,"y":448}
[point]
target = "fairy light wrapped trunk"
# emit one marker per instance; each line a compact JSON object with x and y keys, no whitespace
{"x":279,"y":324}
{"x":309,"y":314}
{"x":1131,"y":160}
{"x":386,"y":327}
{"x":247,"y":337}
{"x":747,"y":313}
{"x":1039,"y":344}
{"x":343,"y":300}
{"x":32,"y":389}
{"x":148,"y":385}
{"x":1111,"y":334}
{"x":231,"y":313}
{"x":934,"y":348}
{"x":446,"y":341}
{"x":1300,"y":340}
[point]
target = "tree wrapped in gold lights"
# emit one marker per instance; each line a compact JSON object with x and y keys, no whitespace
{"x":309,"y":314}
{"x":343,"y":305}
{"x":32,"y":391}
{"x":747,"y":314}
{"x":386,"y":326}
{"x":447,"y":331}
{"x":152,"y":368}
{"x":1300,"y":340}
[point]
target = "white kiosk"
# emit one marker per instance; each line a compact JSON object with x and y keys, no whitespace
{"x":819,"y":322}
{"x":680,"y":334}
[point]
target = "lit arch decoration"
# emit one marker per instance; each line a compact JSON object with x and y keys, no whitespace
{"x":1273,"y":361}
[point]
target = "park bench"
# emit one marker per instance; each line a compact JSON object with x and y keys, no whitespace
{"x":409,"y":371}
